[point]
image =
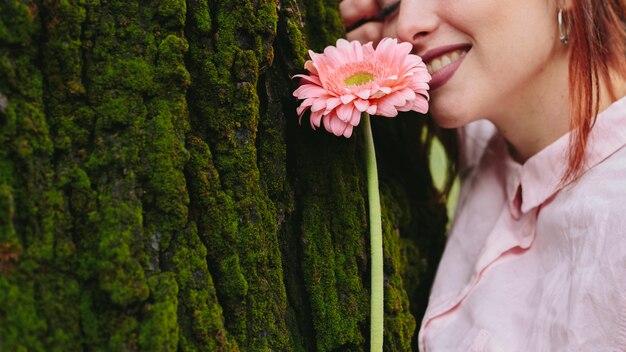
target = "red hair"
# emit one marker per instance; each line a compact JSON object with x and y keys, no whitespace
{"x":597,"y":33}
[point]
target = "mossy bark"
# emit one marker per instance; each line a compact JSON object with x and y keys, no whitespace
{"x":158,"y":193}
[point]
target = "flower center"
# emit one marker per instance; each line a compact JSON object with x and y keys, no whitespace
{"x":359,"y":78}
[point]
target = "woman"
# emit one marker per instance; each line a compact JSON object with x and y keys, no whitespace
{"x":536,"y":258}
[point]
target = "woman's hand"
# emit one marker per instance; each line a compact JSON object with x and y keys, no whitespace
{"x":360,"y":19}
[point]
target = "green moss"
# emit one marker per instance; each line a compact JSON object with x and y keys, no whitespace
{"x":97,"y":108}
{"x":121,"y":76}
{"x":124,"y":337}
{"x":234,"y":281}
{"x":119,"y":272}
{"x":218,"y":230}
{"x":70,"y":120}
{"x":71,"y":196}
{"x":164,"y":153}
{"x":200,"y":17}
{"x":399,"y":322}
{"x":16,"y":25}
{"x":57,"y":295}
{"x":299,"y":48}
{"x":92,"y":332}
{"x":334,"y":247}
{"x":265,"y":26}
{"x":27,"y":203}
{"x":21,"y":328}
{"x":166,"y":196}
{"x":226,"y":113}
{"x":320,"y":276}
{"x":175,"y":10}
{"x":246,"y":67}
{"x":201,"y":319}
{"x":160,"y":330}
{"x":165,"y":156}
{"x":324,"y":24}
{"x":7,"y":215}
{"x":170,"y":66}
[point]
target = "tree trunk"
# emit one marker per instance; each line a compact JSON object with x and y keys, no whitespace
{"x":158,"y":193}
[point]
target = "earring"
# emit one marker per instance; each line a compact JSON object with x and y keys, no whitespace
{"x":562,"y":28}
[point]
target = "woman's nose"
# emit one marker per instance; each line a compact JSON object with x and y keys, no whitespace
{"x":417,"y":20}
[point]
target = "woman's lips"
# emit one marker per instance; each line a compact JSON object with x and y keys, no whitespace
{"x":444,"y":74}
{"x":436,"y":57}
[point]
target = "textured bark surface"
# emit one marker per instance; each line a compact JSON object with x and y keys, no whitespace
{"x":157,"y":192}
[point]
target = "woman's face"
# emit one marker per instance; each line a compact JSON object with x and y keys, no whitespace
{"x":488,"y":58}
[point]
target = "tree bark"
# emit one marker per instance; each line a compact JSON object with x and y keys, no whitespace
{"x":158,"y":193}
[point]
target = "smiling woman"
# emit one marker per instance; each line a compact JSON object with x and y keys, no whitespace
{"x":534,"y":92}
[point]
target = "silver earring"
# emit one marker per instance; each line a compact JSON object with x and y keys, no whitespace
{"x":562,"y":28}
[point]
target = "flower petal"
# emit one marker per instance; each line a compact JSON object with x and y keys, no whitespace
{"x":361,"y":105}
{"x":308,"y":65}
{"x":406,"y":107}
{"x":420,"y":105}
{"x":401,"y":51}
{"x":384,"y":50}
{"x":347,"y":98}
{"x":342,"y":44}
{"x":332,"y":103}
{"x":357,"y":48}
{"x":368,"y":49}
{"x":334,"y":56}
{"x":311,"y":79}
{"x":348,"y":131}
{"x":320,"y":65}
{"x":319,"y":104}
{"x":407,"y":94}
{"x":309,"y":91}
{"x":304,"y":106}
{"x":337,"y":126}
{"x":344,"y":112}
{"x":356,"y":118}
{"x":363,"y":94}
{"x":326,"y":120}
{"x":386,"y":109}
{"x":394,"y":99}
{"x":385,"y":90}
{"x":315,"y":119}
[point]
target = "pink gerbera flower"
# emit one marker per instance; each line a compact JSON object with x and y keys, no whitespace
{"x":353,"y":78}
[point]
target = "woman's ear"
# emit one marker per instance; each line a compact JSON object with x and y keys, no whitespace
{"x":566,"y":5}
{"x":564,"y":10}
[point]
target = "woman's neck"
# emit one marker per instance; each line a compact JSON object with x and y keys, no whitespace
{"x":542,"y":115}
{"x":537,"y":117}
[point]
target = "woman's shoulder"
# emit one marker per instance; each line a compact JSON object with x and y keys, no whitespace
{"x":606,"y":180}
{"x":596,"y":200}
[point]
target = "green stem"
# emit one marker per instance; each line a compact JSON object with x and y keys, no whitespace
{"x":376,"y":240}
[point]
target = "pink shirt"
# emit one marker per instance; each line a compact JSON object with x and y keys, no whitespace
{"x":530,"y":265}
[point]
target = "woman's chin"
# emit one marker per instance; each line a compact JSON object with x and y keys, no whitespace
{"x":448,"y":117}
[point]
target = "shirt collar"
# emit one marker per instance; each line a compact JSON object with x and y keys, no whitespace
{"x":531,"y":184}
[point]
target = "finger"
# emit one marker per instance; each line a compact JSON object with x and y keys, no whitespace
{"x":354,"y":10}
{"x":369,"y":32}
